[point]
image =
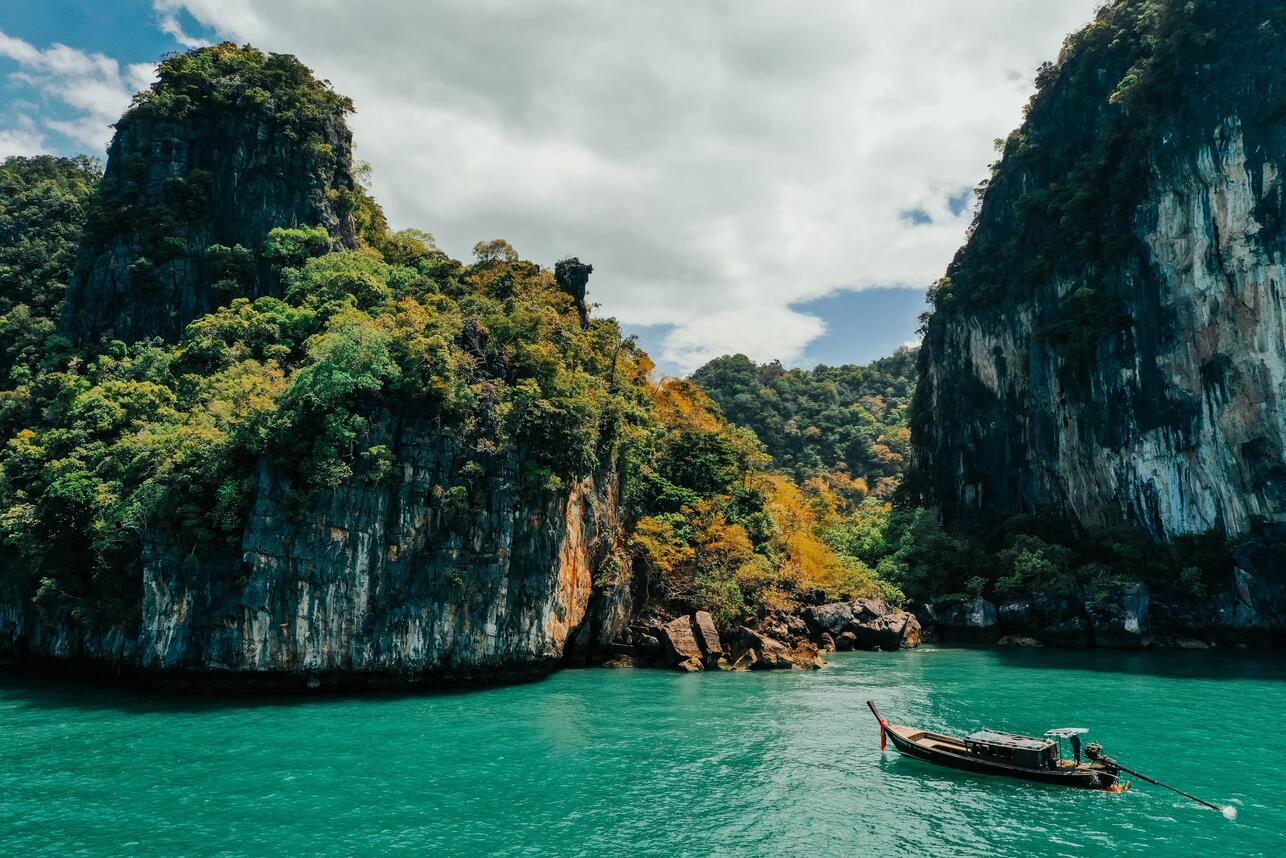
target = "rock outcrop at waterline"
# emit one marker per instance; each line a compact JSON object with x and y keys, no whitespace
{"x":797,"y":641}
{"x":1115,"y":615}
{"x":1110,"y":345}
{"x":870,"y":624}
{"x":371,"y":584}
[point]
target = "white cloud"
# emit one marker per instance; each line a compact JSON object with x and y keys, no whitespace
{"x":716,"y":162}
{"x":17,"y":49}
{"x":23,"y":139}
{"x":167,"y":12}
{"x":140,"y":75}
{"x":93,"y":86}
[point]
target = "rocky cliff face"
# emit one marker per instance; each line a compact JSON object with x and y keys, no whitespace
{"x":199,"y":171}
{"x":378,"y":582}
{"x":1111,"y":343}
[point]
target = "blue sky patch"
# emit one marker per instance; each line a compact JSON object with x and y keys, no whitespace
{"x":959,"y":202}
{"x":863,"y":326}
{"x":916,"y":217}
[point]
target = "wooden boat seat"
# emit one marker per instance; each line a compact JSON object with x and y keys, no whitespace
{"x":935,"y":741}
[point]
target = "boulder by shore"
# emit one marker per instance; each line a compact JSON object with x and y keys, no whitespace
{"x":691,"y":642}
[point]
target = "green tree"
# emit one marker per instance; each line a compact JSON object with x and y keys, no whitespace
{"x":42,"y":211}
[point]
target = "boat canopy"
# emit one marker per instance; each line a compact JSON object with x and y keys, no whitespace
{"x":1066,"y":732}
{"x":1008,"y":740}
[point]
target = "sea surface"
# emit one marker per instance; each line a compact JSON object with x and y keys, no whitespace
{"x":645,"y":762}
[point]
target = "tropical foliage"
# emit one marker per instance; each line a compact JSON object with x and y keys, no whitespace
{"x":42,"y":210}
{"x":846,"y":424}
{"x":721,"y":532}
{"x":229,"y":77}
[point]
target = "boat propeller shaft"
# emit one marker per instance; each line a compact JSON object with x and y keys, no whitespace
{"x":1095,"y":752}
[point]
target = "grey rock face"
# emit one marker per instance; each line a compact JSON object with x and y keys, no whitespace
{"x":373,"y":583}
{"x":171,"y":190}
{"x":973,"y":620}
{"x":1180,"y":428}
{"x":1110,"y":344}
{"x":1134,"y":373}
{"x":863,"y":624}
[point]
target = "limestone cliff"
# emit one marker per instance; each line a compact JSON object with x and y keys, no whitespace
{"x":1111,"y":342}
{"x":374,"y":583}
{"x":221,"y":150}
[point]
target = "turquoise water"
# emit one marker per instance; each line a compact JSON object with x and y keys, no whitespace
{"x":638,"y":762}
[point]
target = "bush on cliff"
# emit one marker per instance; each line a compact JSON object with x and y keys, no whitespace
{"x":240,"y":79}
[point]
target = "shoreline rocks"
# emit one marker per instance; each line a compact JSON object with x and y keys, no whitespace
{"x":758,"y":651}
{"x":679,"y":643}
{"x":868,"y":624}
{"x":692,"y":642}
{"x":1119,"y":615}
{"x":689,"y":642}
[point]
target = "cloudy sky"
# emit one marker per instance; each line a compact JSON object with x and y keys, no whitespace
{"x":771,"y":177}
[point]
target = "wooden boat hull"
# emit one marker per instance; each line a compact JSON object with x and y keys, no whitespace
{"x":1083,"y":777}
{"x":954,"y":753}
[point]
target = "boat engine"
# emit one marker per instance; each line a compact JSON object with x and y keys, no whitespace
{"x":1094,"y":751}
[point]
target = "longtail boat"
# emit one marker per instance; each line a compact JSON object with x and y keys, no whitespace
{"x":995,"y":753}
